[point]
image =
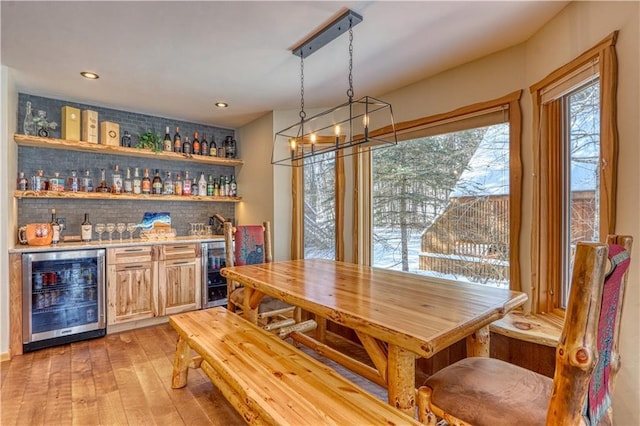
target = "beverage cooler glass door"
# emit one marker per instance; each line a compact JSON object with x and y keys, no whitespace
{"x":214,"y":292}
{"x":63,"y":297}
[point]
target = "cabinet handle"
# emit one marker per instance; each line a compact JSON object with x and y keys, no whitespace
{"x":133,"y":267}
{"x":179,"y":247}
{"x":133,"y":249}
{"x":182,"y":263}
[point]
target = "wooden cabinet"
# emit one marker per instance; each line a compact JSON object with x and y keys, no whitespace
{"x":152,"y":281}
{"x":179,"y":278}
{"x":132,"y":286}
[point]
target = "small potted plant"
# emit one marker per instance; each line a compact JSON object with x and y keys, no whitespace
{"x":149,"y":140}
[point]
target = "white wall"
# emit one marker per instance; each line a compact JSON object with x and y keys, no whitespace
{"x":8,"y":210}
{"x":575,"y":29}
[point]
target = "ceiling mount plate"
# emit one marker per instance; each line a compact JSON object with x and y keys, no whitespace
{"x":327,"y":33}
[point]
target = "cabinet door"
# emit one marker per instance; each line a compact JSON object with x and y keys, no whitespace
{"x":132,"y":293}
{"x":179,"y":278}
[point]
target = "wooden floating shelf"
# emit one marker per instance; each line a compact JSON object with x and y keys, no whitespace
{"x":38,"y":142}
{"x":121,"y":197}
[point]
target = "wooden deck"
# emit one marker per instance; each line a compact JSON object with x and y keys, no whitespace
{"x":120,"y":379}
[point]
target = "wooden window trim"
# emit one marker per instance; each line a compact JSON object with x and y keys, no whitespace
{"x":362,"y":220}
{"x":546,"y":250}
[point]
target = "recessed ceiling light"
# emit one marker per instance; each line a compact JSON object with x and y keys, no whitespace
{"x":222,"y":104}
{"x":90,"y":75}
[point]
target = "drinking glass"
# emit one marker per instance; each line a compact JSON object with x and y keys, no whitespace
{"x":131,"y":228}
{"x":100,"y":227}
{"x":120,"y":227}
{"x":110,"y":228}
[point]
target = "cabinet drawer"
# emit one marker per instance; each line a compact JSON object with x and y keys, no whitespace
{"x":179,"y":251}
{"x":130,"y":254}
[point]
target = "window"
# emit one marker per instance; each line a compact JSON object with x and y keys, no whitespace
{"x":575,"y":161}
{"x":320,"y":208}
{"x":445,"y":201}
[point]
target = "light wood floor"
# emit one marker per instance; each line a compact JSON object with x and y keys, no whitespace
{"x":120,"y":379}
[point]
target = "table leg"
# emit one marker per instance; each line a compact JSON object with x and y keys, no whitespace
{"x":401,"y":379}
{"x":181,"y":362}
{"x":478,"y":343}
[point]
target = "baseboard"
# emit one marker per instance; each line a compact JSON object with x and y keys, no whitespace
{"x":5,"y":356}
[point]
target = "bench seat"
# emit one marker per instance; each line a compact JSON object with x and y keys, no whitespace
{"x":269,"y":381}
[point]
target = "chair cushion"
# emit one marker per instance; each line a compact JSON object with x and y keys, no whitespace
{"x":267,"y":304}
{"x":487,"y":391}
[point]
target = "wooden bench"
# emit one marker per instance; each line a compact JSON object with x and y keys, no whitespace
{"x":267,"y":380}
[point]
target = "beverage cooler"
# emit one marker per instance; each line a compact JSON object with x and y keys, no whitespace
{"x":214,"y":285}
{"x":64,"y":297}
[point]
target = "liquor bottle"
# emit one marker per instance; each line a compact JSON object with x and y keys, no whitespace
{"x":177,"y":185}
{"x":156,"y":184}
{"x":233,"y":187}
{"x":194,"y":187}
{"x":210,"y":186}
{"x":186,"y":184}
{"x":186,"y":146}
{"x":128,"y":184}
{"x":202,"y":185}
{"x":213,"y":148}
{"x":103,"y":182}
{"x":204,"y":145}
{"x":227,"y":187}
{"x":137,"y":183}
{"x":73,"y":182}
{"x":145,"y":185}
{"x":86,"y":229}
{"x":167,"y":143}
{"x":216,"y":188}
{"x":87,"y":182}
{"x":177,"y":141}
{"x":222,"y":189}
{"x":38,"y":182}
{"x":168,"y":185}
{"x":125,"y":141}
{"x":55,"y":228}
{"x":116,"y":181}
{"x":23,"y":182}
{"x":196,"y":144}
{"x":56,"y":183}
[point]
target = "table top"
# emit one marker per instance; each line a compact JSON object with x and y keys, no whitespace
{"x":416,"y":312}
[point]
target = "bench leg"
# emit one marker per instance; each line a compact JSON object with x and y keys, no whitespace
{"x":181,"y":364}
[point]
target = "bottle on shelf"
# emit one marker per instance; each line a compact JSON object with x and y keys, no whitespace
{"x":156,"y":184}
{"x":116,"y":181}
{"x":230,"y":147}
{"x":177,"y":141}
{"x":73,"y":182}
{"x":125,"y":141}
{"x":145,"y":184}
{"x":87,"y":182}
{"x":204,"y":145}
{"x":55,"y":228}
{"x":23,"y":182}
{"x":202,"y":185}
{"x":86,"y":229}
{"x":168,"y":185}
{"x":128,"y":183}
{"x":213,"y":148}
{"x":195,"y":145}
{"x":216,"y":188}
{"x":210,"y":186}
{"x":167,"y":144}
{"x":177,"y":185}
{"x":233,"y":187}
{"x":186,"y":146}
{"x":186,"y":184}
{"x":28,"y":125}
{"x":103,"y":182}
{"x":137,"y":182}
{"x":194,"y":188}
{"x":56,"y":183}
{"x":38,"y":181}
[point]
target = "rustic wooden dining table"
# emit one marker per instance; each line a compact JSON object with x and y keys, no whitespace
{"x":397,"y":316}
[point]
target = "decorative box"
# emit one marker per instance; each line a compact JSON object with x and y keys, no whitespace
{"x":109,"y":133}
{"x":70,"y":123}
{"x":90,"y":126}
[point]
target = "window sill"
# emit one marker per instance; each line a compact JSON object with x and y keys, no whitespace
{"x":535,"y":328}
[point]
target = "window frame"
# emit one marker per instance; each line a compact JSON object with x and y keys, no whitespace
{"x":362,"y":220}
{"x":548,"y":186}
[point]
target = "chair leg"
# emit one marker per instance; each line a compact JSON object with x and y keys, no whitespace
{"x":425,"y":415}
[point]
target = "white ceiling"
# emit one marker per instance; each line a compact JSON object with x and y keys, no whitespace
{"x":175,"y":59}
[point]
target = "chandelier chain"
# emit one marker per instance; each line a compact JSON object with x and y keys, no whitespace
{"x":302,"y":113}
{"x":350,"y":91}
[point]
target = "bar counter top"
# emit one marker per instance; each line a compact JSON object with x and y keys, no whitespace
{"x":105,"y":243}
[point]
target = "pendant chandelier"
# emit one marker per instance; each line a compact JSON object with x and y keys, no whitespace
{"x":366,"y":122}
